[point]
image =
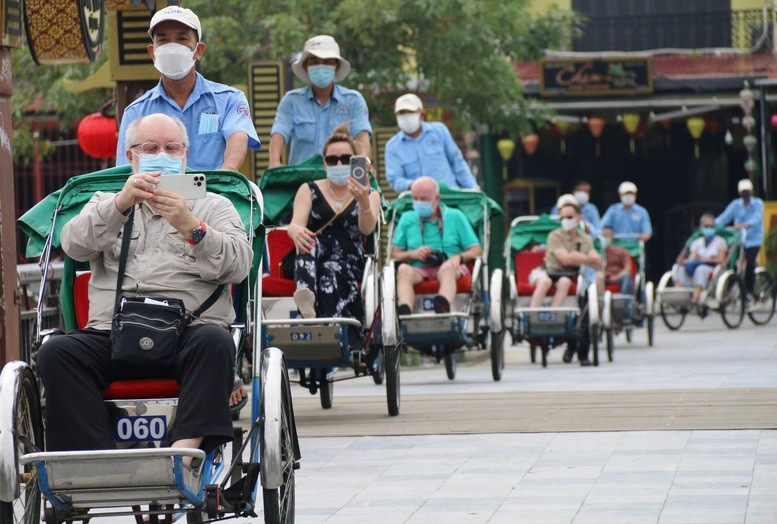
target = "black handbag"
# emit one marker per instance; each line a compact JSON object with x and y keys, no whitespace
{"x":146,"y":331}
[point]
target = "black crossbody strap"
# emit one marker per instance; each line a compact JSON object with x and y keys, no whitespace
{"x":125,"y":242}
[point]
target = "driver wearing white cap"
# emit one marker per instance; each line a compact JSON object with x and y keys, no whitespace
{"x":628,"y":218}
{"x":307,"y":116}
{"x":217,"y":117}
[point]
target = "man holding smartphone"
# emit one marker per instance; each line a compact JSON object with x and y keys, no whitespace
{"x":423,"y":149}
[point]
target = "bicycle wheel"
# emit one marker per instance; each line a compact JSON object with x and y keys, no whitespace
{"x":760,"y":308}
{"x":497,"y":354}
{"x":279,"y":504}
{"x":672,"y":314}
{"x":27,"y":426}
{"x":392,"y":354}
{"x":732,"y":302}
{"x":450,"y":365}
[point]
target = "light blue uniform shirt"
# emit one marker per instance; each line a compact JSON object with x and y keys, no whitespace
{"x":211,"y":114}
{"x":590,"y":215}
{"x":457,"y":233}
{"x":433,"y":153}
{"x":305,"y":124}
{"x":625,"y":222}
{"x":752,"y":214}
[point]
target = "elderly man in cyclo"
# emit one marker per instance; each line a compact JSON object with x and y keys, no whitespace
{"x":568,"y":250}
{"x":180,"y":250}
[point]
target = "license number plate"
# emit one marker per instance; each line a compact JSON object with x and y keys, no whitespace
{"x":140,"y":429}
{"x":547,"y":317}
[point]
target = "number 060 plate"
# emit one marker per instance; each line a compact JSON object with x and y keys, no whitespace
{"x":139,"y":429}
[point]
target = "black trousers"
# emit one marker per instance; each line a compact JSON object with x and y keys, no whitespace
{"x":751,"y":254}
{"x":76,"y":366}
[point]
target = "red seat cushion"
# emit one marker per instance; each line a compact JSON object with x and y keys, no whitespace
{"x":278,"y":287}
{"x":278,"y":245}
{"x":142,"y":388}
{"x":525,"y":261}
{"x":432,"y":287}
{"x":81,"y":299}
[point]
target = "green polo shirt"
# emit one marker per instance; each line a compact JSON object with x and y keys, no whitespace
{"x":457,"y":233}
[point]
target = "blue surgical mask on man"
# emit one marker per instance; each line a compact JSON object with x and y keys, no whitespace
{"x":339,"y":174}
{"x":708,"y":232}
{"x":163,"y":162}
{"x":424,"y":209}
{"x":321,"y":75}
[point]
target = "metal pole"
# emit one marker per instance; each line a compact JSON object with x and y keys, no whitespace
{"x":765,"y":170}
{"x":9,"y":294}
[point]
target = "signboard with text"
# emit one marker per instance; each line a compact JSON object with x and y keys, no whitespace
{"x":592,"y":77}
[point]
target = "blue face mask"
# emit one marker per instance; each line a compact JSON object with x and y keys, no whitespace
{"x":708,"y":232}
{"x":424,"y":209}
{"x":321,"y":75}
{"x":168,"y":165}
{"x":338,"y":175}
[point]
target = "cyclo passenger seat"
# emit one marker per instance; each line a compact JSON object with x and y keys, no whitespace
{"x":525,"y":262}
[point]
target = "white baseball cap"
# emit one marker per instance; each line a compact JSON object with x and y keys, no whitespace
{"x":568,"y":200}
{"x":744,"y":185}
{"x":627,"y":187}
{"x":176,"y":13}
{"x":408,"y":102}
{"x":321,"y":46}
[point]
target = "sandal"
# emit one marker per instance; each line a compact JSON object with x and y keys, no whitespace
{"x":234,"y":409}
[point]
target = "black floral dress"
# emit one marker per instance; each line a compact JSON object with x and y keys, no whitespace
{"x":334,"y":269}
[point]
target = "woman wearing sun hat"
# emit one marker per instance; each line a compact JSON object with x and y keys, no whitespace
{"x":307,"y":116}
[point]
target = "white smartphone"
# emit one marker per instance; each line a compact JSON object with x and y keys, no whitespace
{"x":191,"y":186}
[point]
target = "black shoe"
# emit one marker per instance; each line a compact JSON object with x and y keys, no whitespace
{"x":568,"y":355}
{"x":585,"y":362}
{"x":441,"y":304}
{"x":404,"y":309}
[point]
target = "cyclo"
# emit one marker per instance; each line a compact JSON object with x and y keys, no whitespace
{"x":622,"y":312}
{"x":725,"y":292}
{"x":468,"y":325}
{"x":81,"y":485}
{"x":318,"y":347}
{"x":543,"y":327}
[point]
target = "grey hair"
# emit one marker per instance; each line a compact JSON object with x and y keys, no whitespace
{"x":707,"y":216}
{"x":131,"y":134}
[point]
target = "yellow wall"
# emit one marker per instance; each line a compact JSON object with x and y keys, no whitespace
{"x":746,"y":5}
{"x":541,"y":6}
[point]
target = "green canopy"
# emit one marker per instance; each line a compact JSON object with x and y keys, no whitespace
{"x":730,"y":235}
{"x":524,"y":234}
{"x":69,"y":200}
{"x":279,"y":186}
{"x":471,"y":203}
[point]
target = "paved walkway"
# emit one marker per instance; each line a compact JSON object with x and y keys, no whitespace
{"x":673,"y":476}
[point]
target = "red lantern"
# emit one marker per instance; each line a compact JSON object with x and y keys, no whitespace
{"x":774,"y":121}
{"x":530,"y":143}
{"x":596,"y":125}
{"x":97,"y":135}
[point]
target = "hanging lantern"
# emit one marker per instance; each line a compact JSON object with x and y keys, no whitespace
{"x":774,"y":121}
{"x":596,"y":126}
{"x":506,"y":147}
{"x":750,"y":142}
{"x":97,"y":135}
{"x":560,"y":130}
{"x":696,"y":128}
{"x":750,"y":166}
{"x":746,"y":99}
{"x":530,"y":143}
{"x":748,"y":122}
{"x":631,"y":124}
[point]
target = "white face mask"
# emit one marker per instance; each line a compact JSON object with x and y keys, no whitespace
{"x":581,"y":197}
{"x":409,"y":122}
{"x":173,"y":60}
{"x":568,"y":224}
{"x":628,"y":199}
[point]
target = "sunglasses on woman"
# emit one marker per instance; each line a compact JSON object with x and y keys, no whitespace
{"x":332,"y":160}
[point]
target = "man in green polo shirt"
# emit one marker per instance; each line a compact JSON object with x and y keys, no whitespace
{"x":424,"y":233}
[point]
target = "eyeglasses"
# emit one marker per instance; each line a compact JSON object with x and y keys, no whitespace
{"x":332,"y":160}
{"x":152,"y":148}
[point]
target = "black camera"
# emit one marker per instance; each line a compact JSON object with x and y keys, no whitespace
{"x":435,"y":258}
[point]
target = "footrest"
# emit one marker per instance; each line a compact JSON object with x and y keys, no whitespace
{"x":116,"y":478}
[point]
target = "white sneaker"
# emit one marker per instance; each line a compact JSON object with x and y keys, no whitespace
{"x":306,"y":302}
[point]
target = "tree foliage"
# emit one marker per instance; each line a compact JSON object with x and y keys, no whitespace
{"x":460,"y":52}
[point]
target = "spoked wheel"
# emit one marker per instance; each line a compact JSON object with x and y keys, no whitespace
{"x":673,"y":315}
{"x":379,"y":373}
{"x":391,"y":355}
{"x":278,"y":450}
{"x":650,"y":311}
{"x":498,"y":354}
{"x":545,"y":350}
{"x":27,"y":428}
{"x":761,"y":308}
{"x":732,"y":302}
{"x":450,"y":365}
{"x":326,"y":391}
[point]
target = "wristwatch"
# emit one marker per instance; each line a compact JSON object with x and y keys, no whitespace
{"x":197,"y":234}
